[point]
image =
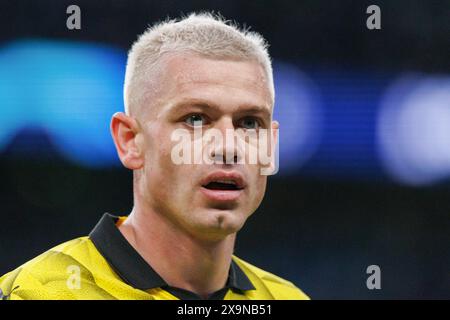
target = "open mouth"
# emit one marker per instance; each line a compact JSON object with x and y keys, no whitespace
{"x":222,"y":185}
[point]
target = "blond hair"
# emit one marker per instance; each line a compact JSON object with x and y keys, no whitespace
{"x":206,"y":34}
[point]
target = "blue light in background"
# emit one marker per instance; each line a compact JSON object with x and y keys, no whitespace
{"x":68,"y":89}
{"x":299,"y":112}
{"x":350,"y":101}
{"x":414,"y":129}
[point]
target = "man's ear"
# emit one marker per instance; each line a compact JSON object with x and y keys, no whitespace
{"x":125,"y":132}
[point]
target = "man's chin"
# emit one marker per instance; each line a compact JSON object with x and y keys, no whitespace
{"x":218,"y":223}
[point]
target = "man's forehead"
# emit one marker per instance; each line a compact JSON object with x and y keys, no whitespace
{"x":193,"y":68}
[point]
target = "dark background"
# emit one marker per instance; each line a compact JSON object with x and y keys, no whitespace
{"x":318,"y":229}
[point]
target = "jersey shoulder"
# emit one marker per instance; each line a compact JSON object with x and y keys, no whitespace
{"x":268,"y":285}
{"x":48,"y":276}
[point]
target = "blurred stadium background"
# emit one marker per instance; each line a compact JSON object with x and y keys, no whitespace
{"x":364,"y":143}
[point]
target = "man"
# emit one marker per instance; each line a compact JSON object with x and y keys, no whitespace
{"x":199,"y":73}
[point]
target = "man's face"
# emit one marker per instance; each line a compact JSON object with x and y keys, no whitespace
{"x":195,"y":92}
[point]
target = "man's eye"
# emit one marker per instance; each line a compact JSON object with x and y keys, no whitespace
{"x":195,"y":120}
{"x":249,"y":123}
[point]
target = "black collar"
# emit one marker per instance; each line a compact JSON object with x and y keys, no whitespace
{"x":133,"y":269}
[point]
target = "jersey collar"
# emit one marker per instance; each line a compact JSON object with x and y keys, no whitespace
{"x":133,"y":269}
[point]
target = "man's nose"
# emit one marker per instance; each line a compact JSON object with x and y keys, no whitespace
{"x":229,"y":151}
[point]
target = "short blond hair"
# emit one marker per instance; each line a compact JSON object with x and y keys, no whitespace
{"x":204,"y":33}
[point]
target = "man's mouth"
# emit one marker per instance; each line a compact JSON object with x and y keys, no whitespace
{"x":223,"y":186}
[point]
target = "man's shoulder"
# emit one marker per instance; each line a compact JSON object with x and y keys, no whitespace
{"x":49,"y":273}
{"x":59,"y":256}
{"x":269,"y":285}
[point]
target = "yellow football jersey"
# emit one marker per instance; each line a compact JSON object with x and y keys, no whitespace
{"x":105,"y":266}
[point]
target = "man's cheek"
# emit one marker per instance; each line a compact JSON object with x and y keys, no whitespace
{"x":259,"y":188}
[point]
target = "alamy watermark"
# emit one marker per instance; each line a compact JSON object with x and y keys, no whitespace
{"x":74,"y":20}
{"x":250,"y":146}
{"x":374,"y":280}
{"x":74,"y":280}
{"x":373,"y":22}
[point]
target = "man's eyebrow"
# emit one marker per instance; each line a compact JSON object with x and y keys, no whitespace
{"x":253,"y":110}
{"x":192,"y":103}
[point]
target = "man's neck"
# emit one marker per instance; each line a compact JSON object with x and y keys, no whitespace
{"x":182,"y":260}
